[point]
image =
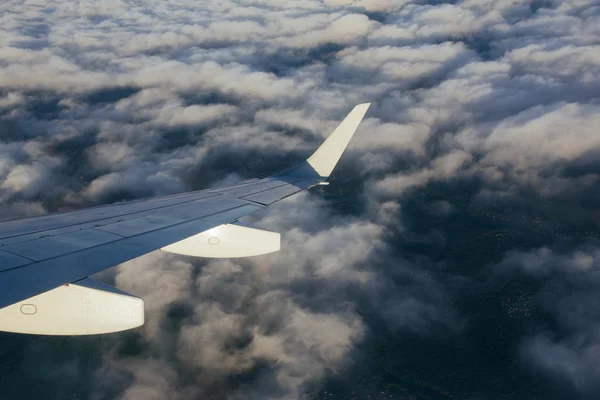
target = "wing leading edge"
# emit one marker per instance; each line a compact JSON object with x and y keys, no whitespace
{"x":39,"y":255}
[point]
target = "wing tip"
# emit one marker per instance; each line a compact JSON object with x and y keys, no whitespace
{"x":326,"y":157}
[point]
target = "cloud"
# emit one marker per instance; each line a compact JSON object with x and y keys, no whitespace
{"x":287,"y":319}
{"x":406,"y":64}
{"x":442,"y":168}
{"x":568,"y":293}
{"x":109,"y":101}
{"x":239,"y":316}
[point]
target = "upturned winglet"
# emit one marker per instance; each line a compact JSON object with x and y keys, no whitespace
{"x":325,"y":158}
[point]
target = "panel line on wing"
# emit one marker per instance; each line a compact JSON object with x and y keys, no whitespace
{"x":136,"y":235}
{"x":253,"y":202}
{"x":52,"y":246}
{"x":41,"y":230}
{"x":12,"y":251}
{"x":9,"y":260}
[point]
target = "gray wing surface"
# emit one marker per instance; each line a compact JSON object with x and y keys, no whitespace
{"x":41,"y":253}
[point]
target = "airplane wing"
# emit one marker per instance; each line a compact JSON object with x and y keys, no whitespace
{"x":45,"y":261}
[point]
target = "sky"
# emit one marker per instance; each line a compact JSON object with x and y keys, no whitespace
{"x":456,"y":249}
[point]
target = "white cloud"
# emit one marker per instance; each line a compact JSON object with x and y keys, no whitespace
{"x":101,"y":101}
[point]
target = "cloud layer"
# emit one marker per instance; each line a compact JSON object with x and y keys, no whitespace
{"x":496,"y":100}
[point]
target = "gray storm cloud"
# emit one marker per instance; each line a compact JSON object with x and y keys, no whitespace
{"x":111,"y":100}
